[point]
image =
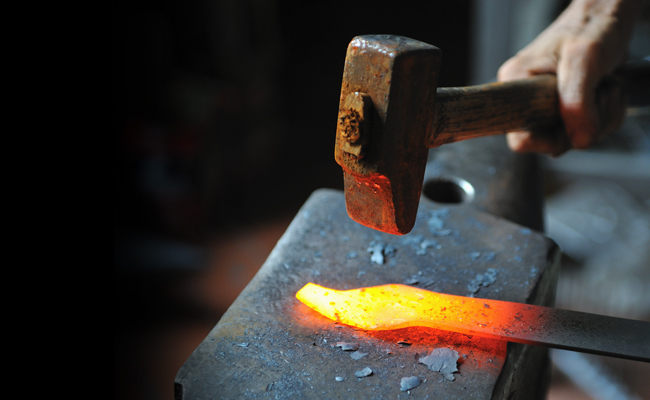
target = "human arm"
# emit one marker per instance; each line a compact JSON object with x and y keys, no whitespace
{"x":582,"y":46}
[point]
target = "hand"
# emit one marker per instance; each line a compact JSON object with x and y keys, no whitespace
{"x":582,"y":46}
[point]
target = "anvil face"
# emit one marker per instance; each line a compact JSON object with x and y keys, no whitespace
{"x":270,"y":344}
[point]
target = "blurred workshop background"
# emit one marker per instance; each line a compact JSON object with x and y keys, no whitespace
{"x":224,"y":121}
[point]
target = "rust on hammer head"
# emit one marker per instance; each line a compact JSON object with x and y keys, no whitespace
{"x":355,"y":118}
{"x":384,"y":161}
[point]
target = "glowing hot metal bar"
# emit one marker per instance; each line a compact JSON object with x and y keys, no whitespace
{"x":399,"y":306}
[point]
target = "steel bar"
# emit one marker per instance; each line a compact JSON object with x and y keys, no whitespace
{"x":398,"y":306}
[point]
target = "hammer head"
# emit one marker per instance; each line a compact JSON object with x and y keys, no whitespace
{"x":385,"y":112}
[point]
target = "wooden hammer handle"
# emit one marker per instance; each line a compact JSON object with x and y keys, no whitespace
{"x":494,"y":108}
{"x":525,"y":104}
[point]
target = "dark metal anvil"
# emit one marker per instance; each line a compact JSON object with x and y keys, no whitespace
{"x":269,"y":345}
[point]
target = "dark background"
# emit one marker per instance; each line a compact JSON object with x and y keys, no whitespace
{"x":221,"y":101}
{"x":224,"y":118}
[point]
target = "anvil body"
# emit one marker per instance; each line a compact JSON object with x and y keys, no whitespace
{"x":268,"y":344}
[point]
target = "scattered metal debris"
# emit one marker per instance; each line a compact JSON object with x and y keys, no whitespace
{"x":358,"y":355}
{"x":363,"y":373}
{"x":269,"y":386}
{"x":389,"y":250}
{"x":436,"y":222}
{"x":427,"y":283}
{"x":489,"y":277}
{"x":413,"y":241}
{"x":377,"y":251}
{"x":409,"y":382}
{"x":244,"y":344}
{"x":474,"y":286}
{"x":442,"y":360}
{"x":404,"y":343}
{"x":419,"y":281}
{"x":485,"y":279}
{"x":411,"y":281}
{"x":424,"y":246}
{"x":351,"y":255}
{"x":348,"y":346}
{"x":340,"y":378}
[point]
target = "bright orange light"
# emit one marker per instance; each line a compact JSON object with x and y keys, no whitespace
{"x":398,"y":306}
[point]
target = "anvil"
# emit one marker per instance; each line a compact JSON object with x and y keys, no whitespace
{"x":270,"y":344}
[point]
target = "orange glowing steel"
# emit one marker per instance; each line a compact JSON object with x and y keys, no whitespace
{"x":399,"y":306}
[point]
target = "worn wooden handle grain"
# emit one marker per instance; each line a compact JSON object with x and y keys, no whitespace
{"x":494,"y":108}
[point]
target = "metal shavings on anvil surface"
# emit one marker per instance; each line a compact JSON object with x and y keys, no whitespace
{"x":484,"y":279}
{"x":363,"y":373}
{"x":409,"y":382}
{"x":348,"y":346}
{"x":442,"y":360}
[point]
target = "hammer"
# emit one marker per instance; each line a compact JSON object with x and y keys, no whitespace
{"x":391,"y":112}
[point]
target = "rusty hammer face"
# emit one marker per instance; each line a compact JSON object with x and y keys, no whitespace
{"x":385,"y":113}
